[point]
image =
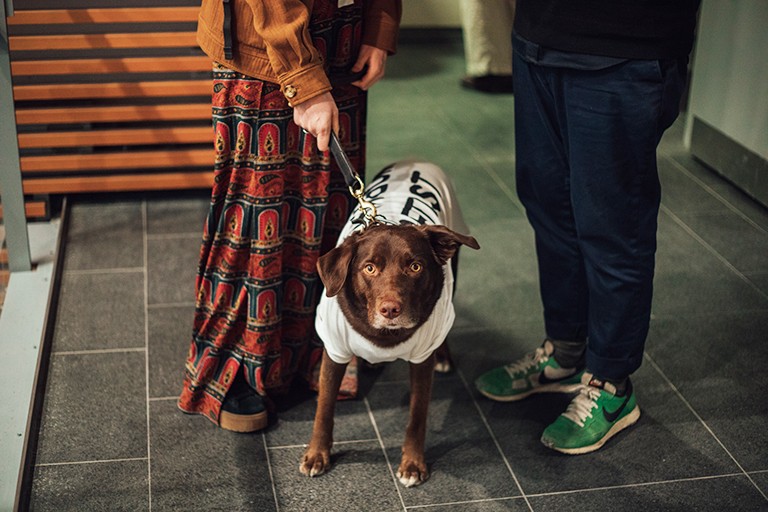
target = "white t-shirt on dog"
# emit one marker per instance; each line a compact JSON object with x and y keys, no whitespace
{"x":405,"y":192}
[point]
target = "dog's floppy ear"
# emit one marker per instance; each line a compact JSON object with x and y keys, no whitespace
{"x":333,"y":266}
{"x":446,"y":242}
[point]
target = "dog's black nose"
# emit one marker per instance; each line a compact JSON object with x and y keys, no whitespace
{"x":389,"y":309}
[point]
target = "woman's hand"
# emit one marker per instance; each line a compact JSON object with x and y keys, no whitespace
{"x":375,"y":59}
{"x":318,"y":116}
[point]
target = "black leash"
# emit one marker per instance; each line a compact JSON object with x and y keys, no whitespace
{"x":350,"y":175}
{"x":355,"y":184}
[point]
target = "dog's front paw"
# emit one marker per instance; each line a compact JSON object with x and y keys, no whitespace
{"x":315,"y":462}
{"x":412,"y":473}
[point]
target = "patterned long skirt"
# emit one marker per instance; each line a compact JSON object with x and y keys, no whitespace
{"x":277,"y":205}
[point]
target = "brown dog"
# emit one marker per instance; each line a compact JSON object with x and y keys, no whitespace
{"x":387,"y":281}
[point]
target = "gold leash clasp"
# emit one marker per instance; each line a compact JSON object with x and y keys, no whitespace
{"x":368,"y":208}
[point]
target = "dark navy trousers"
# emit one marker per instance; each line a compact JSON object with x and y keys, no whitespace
{"x":585,"y":142}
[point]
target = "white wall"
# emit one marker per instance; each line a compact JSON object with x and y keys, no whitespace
{"x":729,"y":87}
{"x":431,"y":13}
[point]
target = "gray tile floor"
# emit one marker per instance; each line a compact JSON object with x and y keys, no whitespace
{"x":112,"y":438}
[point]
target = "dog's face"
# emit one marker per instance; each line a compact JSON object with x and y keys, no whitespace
{"x":388,"y":278}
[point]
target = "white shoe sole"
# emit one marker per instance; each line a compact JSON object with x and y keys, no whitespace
{"x":546,"y":388}
{"x":627,"y":421}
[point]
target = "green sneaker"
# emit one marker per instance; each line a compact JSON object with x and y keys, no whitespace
{"x":536,"y":372}
{"x":594,"y":416}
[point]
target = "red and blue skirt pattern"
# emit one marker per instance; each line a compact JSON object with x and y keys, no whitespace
{"x":277,"y":204}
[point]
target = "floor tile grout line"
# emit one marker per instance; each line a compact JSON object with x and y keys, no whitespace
{"x":98,"y":271}
{"x":500,"y":183}
{"x":335,"y":443}
{"x":98,"y":351}
{"x":673,"y":315}
{"x":716,"y":195}
{"x":465,"y":502}
{"x":384,"y":451}
{"x":587,"y":489}
{"x":171,"y":305}
{"x":172,"y":236}
{"x":701,"y":420}
{"x":271,"y":474}
{"x":638,"y":484}
{"x":494,"y":439}
{"x":758,"y":273}
{"x":688,"y":229}
{"x":483,"y":163}
{"x":98,"y":461}
{"x":146,"y":348}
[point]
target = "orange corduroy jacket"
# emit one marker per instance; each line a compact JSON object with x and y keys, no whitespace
{"x":271,"y":40}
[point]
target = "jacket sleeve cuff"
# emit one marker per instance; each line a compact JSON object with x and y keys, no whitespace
{"x":382,"y":23}
{"x":381,"y":34}
{"x":304,"y":84}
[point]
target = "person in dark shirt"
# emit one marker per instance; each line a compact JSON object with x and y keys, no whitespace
{"x":596,"y":84}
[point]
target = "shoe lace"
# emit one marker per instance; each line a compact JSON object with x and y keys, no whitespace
{"x":581,"y":406}
{"x":526,"y":362}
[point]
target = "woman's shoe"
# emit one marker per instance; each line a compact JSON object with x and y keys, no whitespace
{"x":243,"y":411}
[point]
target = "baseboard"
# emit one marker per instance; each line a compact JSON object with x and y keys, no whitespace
{"x":744,"y":168}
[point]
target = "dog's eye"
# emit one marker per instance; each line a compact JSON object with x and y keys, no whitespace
{"x":415,"y":266}
{"x":370,"y":268}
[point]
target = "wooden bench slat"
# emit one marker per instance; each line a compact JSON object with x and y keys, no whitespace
{"x":36,"y":208}
{"x":116,"y":15}
{"x":194,"y":111}
{"x":117,"y":137}
{"x":103,"y":41}
{"x":122,"y":160}
{"x":184,"y":154}
{"x":105,"y":66}
{"x":119,"y":183}
{"x":112,"y":90}
{"x":33,"y":209}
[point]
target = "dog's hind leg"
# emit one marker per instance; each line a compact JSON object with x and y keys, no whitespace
{"x":317,"y":458}
{"x":413,"y":468}
{"x":443,"y":360}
